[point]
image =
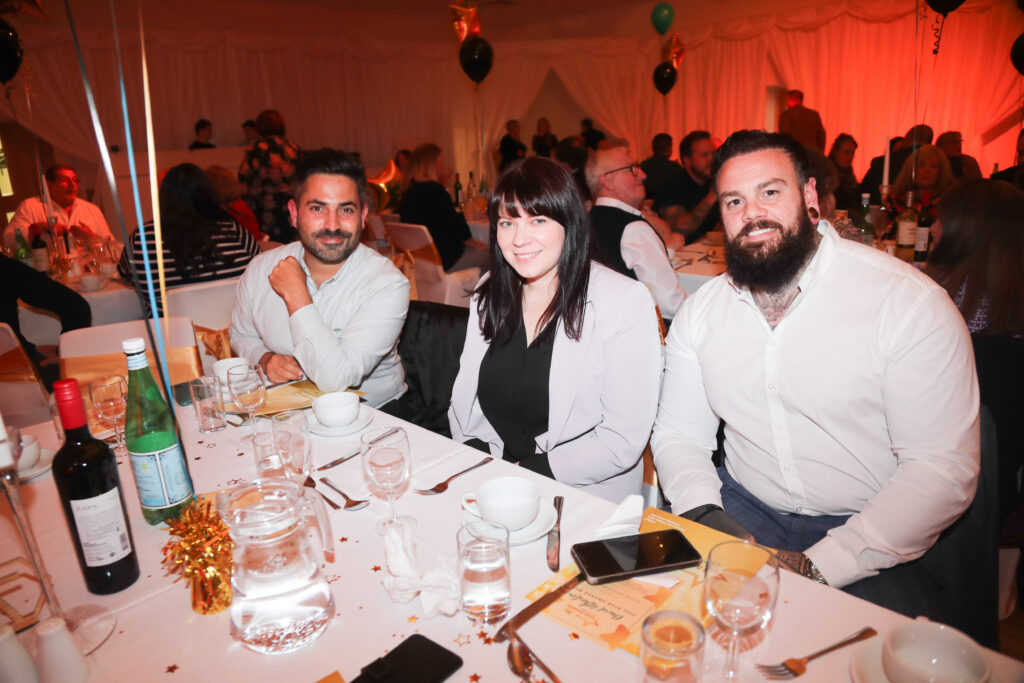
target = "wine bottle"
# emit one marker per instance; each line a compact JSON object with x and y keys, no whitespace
{"x":23,"y":252}
{"x":457,"y":190}
{"x":85,"y":471}
{"x":906,"y":230}
{"x":158,"y":462}
{"x":484,"y":190}
{"x":863,"y":220}
{"x":922,"y":237}
{"x":40,"y":255}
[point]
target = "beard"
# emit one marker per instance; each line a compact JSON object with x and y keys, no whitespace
{"x":330,"y":254}
{"x":767,"y":266}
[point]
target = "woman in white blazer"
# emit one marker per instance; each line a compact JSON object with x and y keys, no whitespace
{"x":562,"y":364}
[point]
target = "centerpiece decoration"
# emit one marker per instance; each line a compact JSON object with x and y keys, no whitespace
{"x":202,"y":553}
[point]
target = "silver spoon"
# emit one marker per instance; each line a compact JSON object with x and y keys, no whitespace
{"x":521,"y":660}
{"x":312,"y":484}
{"x":349,"y":503}
{"x":443,"y":486}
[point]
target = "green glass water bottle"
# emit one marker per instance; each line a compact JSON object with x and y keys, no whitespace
{"x":158,"y":461}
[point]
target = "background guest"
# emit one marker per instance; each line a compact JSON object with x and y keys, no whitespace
{"x":659,"y":167}
{"x":204,"y":131}
{"x":562,"y":361}
{"x":201,"y":241}
{"x":544,"y":141}
{"x":1014,"y":174}
{"x":572,"y":152}
{"x":425,"y":201}
{"x":928,"y":172}
{"x":964,"y":166}
{"x":801,"y":123}
{"x":511,"y":147}
{"x":249,"y":134}
{"x":82,"y":218}
{"x":847,"y":191}
{"x":592,"y":136}
{"x":826,"y":179}
{"x":229,"y":190}
{"x":266,"y":172}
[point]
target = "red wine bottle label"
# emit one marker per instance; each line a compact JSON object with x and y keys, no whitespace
{"x":101,"y":528}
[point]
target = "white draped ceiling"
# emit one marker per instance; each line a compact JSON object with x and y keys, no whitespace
{"x":854,"y":61}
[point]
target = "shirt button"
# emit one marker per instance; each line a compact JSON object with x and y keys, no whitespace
{"x":771,"y":387}
{"x":799,"y":509}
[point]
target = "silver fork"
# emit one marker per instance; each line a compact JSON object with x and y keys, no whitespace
{"x":796,"y":666}
{"x":443,"y":486}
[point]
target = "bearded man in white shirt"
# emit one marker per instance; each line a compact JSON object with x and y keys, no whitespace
{"x":83,"y":219}
{"x":325,"y":307}
{"x":846,"y":382}
{"x":626,"y":234}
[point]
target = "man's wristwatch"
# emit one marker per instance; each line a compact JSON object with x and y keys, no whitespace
{"x":813,"y":573}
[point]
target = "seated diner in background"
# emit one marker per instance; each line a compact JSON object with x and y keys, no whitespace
{"x":201,"y":241}
{"x":932,"y":174}
{"x":562,"y":361}
{"x":846,"y":383}
{"x":325,"y":307}
{"x":426,"y":202}
{"x":84,"y":219}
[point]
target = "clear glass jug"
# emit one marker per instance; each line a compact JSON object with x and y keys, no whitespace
{"x":281,"y":601}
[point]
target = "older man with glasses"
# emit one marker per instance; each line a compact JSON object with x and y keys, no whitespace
{"x":83,"y":219}
{"x":628,"y":235}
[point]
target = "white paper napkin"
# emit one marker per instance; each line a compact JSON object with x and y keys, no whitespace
{"x":411,"y":572}
{"x":624,"y":521}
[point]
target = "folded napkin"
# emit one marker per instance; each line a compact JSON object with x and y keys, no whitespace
{"x":217,"y":342}
{"x":411,"y":571}
{"x":624,"y":521}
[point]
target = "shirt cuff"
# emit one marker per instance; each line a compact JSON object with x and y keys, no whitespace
{"x":836,"y":563}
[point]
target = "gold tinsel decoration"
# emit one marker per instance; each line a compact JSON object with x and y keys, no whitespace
{"x":203,"y":555}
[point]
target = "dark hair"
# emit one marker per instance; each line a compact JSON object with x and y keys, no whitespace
{"x":750,"y":141}
{"x":248,"y":123}
{"x":329,"y":162}
{"x":572,"y":152}
{"x":400,"y":152}
{"x":190,"y":214}
{"x":840,"y":140}
{"x":797,"y":95}
{"x":202,"y":123}
{"x":662,"y":144}
{"x":269,"y":123}
{"x":824,"y":172}
{"x":586,"y":123}
{"x":920,"y":134}
{"x":982,"y":250}
{"x":537,"y":186}
{"x":51,"y":172}
{"x":686,"y":144}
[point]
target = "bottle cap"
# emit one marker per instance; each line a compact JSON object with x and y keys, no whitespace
{"x":133,"y":345}
{"x":68,"y":397}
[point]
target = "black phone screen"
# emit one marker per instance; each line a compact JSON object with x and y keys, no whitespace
{"x":619,"y":558}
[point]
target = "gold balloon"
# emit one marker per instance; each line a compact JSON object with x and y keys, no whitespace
{"x":379,"y":184}
{"x":673,"y":51}
{"x":465,"y":19}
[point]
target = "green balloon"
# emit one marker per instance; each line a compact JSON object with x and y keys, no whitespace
{"x":662,"y":17}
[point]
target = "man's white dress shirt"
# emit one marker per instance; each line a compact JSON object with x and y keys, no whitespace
{"x":644,"y":252}
{"x":32,"y":210}
{"x":862,"y":401}
{"x":348,"y":336}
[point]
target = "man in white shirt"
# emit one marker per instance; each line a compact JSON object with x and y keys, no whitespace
{"x":846,"y":382}
{"x":83,"y":218}
{"x":325,"y":307}
{"x":625,"y":233}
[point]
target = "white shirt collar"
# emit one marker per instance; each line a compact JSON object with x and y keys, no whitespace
{"x":616,"y":204}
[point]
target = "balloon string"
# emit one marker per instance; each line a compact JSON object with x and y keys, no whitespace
{"x":937,"y":26}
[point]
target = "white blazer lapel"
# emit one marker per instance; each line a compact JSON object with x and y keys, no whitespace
{"x":568,"y":365}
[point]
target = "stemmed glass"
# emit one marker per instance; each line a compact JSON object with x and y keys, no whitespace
{"x":386,"y":464}
{"x":741,"y":584}
{"x":108,"y":395}
{"x":248,"y":386}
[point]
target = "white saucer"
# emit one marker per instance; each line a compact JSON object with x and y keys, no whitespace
{"x":41,"y":467}
{"x":362,"y":420}
{"x":538,"y":528}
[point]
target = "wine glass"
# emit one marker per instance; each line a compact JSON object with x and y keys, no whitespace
{"x":386,"y":463}
{"x":248,"y":386}
{"x":108,"y":395}
{"x":741,"y":584}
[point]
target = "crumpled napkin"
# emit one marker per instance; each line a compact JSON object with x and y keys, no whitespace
{"x":624,"y":521}
{"x":411,"y":572}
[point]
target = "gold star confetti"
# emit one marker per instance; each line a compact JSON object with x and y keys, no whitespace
{"x":488,"y":641}
{"x":474,"y":678}
{"x":172,"y":668}
{"x":462,"y":640}
{"x":376,"y":567}
{"x":412,"y":619}
{"x":342,"y":539}
{"x":574,"y":636}
{"x":481,"y":634}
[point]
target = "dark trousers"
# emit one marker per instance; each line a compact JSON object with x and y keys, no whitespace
{"x":906,"y":588}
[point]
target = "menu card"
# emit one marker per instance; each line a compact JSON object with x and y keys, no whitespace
{"x":612,"y":614}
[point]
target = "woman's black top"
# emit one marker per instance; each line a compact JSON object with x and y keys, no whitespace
{"x":428,"y":203}
{"x":543,"y":145}
{"x":513,"y":394}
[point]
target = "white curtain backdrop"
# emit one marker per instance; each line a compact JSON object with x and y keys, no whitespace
{"x":854,"y":61}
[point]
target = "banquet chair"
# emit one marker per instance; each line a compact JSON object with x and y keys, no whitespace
{"x":432,"y":283}
{"x":375,"y":226}
{"x":209,"y":305}
{"x":91,"y":352}
{"x":23,"y":399}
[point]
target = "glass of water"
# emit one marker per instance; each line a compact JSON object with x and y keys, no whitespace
{"x":484,"y":581}
{"x":671,"y":647}
{"x":208,"y":402}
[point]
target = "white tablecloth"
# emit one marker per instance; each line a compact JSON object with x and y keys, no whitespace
{"x":692,"y":271}
{"x":158,"y":634}
{"x":115,"y":303}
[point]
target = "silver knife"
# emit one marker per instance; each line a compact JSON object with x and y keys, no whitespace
{"x":554,"y":536}
{"x":533,"y":609}
{"x":338,"y":461}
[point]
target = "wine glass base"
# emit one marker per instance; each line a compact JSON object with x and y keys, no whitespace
{"x":90,"y":626}
{"x":401,"y":523}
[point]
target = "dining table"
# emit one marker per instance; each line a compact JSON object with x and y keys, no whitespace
{"x":159,"y":638}
{"x":115,"y":302}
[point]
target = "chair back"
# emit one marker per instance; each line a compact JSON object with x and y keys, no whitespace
{"x":23,"y":399}
{"x":208,"y":304}
{"x":432,"y":283}
{"x":375,"y":226}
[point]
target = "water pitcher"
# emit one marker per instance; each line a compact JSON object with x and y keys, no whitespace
{"x":281,"y":600}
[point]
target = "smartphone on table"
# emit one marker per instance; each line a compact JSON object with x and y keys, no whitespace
{"x":615,"y":559}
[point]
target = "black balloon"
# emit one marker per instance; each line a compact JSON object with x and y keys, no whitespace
{"x":664,"y":77}
{"x":11,"y":52}
{"x":944,"y":7}
{"x":1017,"y":54}
{"x":476,"y":57}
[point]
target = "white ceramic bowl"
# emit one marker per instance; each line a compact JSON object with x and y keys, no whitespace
{"x":29,"y":453}
{"x":512,"y":502}
{"x":924,"y":651}
{"x":221,"y":367}
{"x":336,"y":409}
